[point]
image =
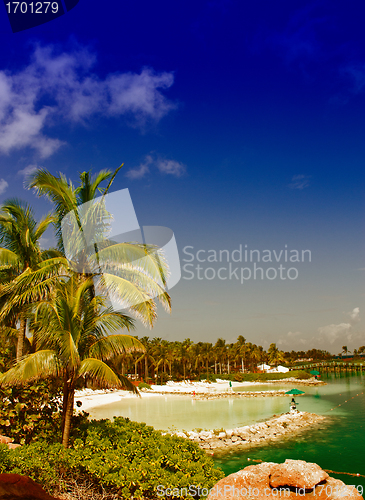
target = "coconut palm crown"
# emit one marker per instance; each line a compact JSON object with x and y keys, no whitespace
{"x":20,"y":250}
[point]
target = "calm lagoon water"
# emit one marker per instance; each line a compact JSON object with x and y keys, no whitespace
{"x":338,"y":444}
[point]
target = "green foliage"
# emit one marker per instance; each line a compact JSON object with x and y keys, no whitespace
{"x":30,"y":412}
{"x":123,"y":457}
{"x":143,"y":385}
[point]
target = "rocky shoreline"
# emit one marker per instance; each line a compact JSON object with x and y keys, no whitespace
{"x":273,"y":429}
{"x":291,"y":480}
{"x":208,"y":393}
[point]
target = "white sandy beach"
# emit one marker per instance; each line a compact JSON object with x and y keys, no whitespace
{"x":93,"y":398}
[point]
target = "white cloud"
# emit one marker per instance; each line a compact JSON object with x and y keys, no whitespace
{"x":332,"y":332}
{"x":141,"y":170}
{"x":3,"y":186}
{"x":293,"y":334}
{"x":63,"y":86}
{"x":300,"y":182}
{"x":342,"y":332}
{"x":355,"y":315}
{"x":291,"y":340}
{"x":28,"y":170}
{"x":169,"y":167}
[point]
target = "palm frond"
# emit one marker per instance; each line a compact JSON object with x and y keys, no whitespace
{"x":7,"y":257}
{"x":130,"y":296}
{"x":104,"y":376}
{"x":33,"y":367}
{"x":114,"y":345}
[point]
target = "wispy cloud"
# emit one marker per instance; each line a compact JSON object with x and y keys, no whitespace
{"x":291,"y":339}
{"x":341,"y":331}
{"x":355,"y":315}
{"x":355,"y":72}
{"x":168,"y":167}
{"x":171,"y":167}
{"x":142,"y":169}
{"x":300,"y":182}
{"x":333,"y":332}
{"x":3,"y":186}
{"x":62,"y":86}
{"x":299,"y":41}
{"x":28,"y":170}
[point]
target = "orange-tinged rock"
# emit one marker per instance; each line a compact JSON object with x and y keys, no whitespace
{"x":297,"y":473}
{"x":5,"y":440}
{"x":16,"y":487}
{"x":253,"y":483}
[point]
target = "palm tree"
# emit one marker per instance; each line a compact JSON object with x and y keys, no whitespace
{"x":183,"y":354}
{"x":147,"y":356}
{"x":344,"y":350}
{"x":220,"y":350}
{"x":241,"y":342}
{"x":74,"y":341}
{"x":205,"y":355}
{"x":20,"y":251}
{"x":132,"y":274}
{"x":275,"y":355}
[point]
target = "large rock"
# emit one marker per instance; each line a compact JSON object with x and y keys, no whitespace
{"x":9,"y":442}
{"x":298,"y":474}
{"x":257,"y":482}
{"x":16,"y":487}
{"x":5,"y":440}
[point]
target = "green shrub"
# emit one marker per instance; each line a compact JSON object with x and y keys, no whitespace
{"x":123,"y":457}
{"x":143,"y":385}
{"x":31,"y":412}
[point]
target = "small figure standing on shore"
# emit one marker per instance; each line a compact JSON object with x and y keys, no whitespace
{"x":293,"y":404}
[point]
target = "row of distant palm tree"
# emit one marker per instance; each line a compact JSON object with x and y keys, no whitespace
{"x":188,"y":360}
{"x":57,"y":308}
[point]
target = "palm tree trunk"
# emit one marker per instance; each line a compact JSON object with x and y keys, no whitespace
{"x":68,"y":412}
{"x":21,"y":337}
{"x":64,"y":401}
{"x":145,"y":368}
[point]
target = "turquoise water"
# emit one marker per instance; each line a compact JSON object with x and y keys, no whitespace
{"x":338,"y":444}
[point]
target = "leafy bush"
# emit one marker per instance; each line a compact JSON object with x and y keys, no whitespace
{"x":30,"y":412}
{"x":33,"y":412}
{"x":123,"y":457}
{"x":143,"y":385}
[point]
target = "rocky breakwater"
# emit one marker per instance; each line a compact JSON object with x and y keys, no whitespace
{"x":252,"y":435}
{"x":293,"y":479}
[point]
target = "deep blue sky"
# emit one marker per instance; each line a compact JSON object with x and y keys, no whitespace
{"x":238,"y":124}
